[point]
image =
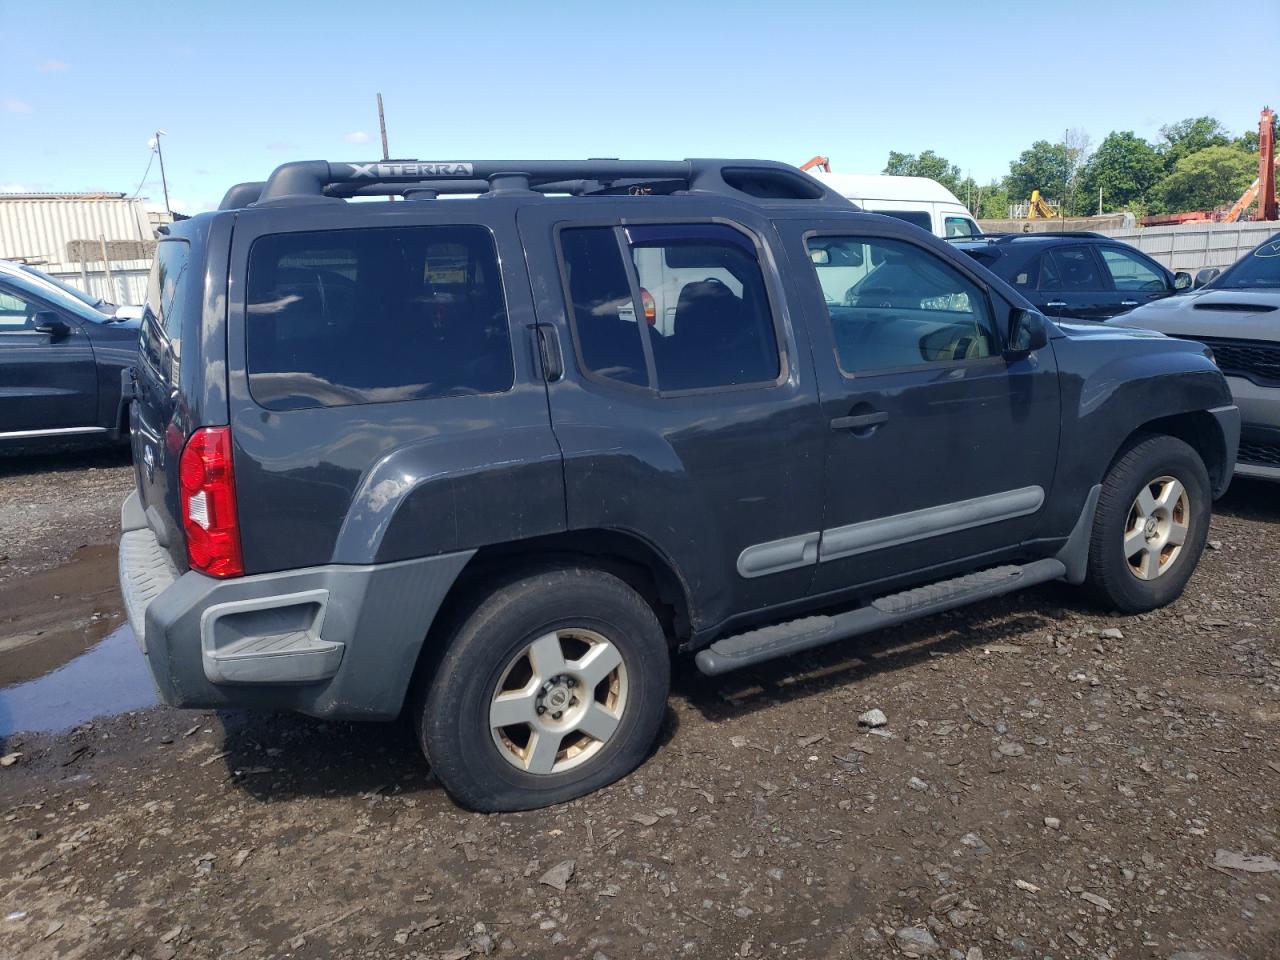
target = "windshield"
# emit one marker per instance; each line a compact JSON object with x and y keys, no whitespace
{"x":65,"y":287}
{"x":54,"y":296}
{"x":1258,"y":269}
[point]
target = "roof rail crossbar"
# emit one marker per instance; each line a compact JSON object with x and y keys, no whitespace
{"x":758,"y":179}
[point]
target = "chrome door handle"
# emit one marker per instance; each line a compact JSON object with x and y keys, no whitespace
{"x":1056,"y":303}
{"x":1128,"y":303}
{"x":859,"y":422}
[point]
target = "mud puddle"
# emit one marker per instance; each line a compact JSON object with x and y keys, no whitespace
{"x":111,"y":677}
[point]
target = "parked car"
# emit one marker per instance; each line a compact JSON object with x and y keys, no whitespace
{"x":918,"y":200}
{"x":1080,"y":275}
{"x":60,"y":367}
{"x":105,"y":307}
{"x":1237,"y":315}
{"x":427,"y":456}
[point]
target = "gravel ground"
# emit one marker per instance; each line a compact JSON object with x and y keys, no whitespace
{"x":1051,"y":782}
{"x":53,"y":504}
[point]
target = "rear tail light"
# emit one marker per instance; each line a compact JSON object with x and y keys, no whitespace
{"x":208,"y":493}
{"x":650,"y":308}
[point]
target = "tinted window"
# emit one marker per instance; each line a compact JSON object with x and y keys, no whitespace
{"x":1070,"y":269}
{"x":699,"y":293}
{"x":894,"y":305}
{"x":961,"y":227}
{"x":1130,"y":272}
{"x":375,"y":315}
{"x":161,"y":336}
{"x":604,"y":316}
{"x":919,"y":218}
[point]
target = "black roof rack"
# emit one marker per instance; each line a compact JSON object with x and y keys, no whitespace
{"x":419,"y":179}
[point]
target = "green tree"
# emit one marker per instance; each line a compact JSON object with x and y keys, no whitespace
{"x":1124,"y":167}
{"x":927,"y":164}
{"x":993,"y":202}
{"x":1189,"y":136}
{"x":1207,"y":178}
{"x":1046,"y":167}
{"x":1247,"y":141}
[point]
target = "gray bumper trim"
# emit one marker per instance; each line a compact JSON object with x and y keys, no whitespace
{"x":338,"y":640}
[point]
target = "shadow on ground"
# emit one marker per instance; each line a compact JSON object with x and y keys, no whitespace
{"x":870,"y":655}
{"x":63,"y":460}
{"x":1250,"y":499}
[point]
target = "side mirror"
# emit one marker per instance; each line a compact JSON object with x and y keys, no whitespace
{"x":1206,"y":275}
{"x":50,"y":323}
{"x":1182,"y":280}
{"x":1027,"y":332}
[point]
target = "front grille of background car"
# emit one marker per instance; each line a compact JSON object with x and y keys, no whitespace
{"x":1260,"y":454}
{"x":1255,"y":360}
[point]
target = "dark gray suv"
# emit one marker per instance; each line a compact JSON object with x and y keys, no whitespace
{"x":450,"y":457}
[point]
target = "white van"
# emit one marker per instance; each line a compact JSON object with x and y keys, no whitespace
{"x":919,"y":200}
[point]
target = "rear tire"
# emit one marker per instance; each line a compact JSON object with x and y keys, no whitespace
{"x":554,"y":685}
{"x":1150,"y":526}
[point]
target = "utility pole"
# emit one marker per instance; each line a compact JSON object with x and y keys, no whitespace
{"x":382,"y":125}
{"x":164,"y":182}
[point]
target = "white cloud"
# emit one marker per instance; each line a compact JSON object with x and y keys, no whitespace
{"x":54,"y":66}
{"x":16,"y":106}
{"x":358,"y":136}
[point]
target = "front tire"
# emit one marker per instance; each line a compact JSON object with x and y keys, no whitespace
{"x":1151,"y":524}
{"x":553,"y":686}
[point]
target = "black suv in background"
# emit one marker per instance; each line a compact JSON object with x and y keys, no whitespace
{"x":1079,"y":275}
{"x":494,"y":460}
{"x":60,"y":367}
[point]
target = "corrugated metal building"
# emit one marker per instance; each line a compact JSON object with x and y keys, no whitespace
{"x":65,"y":234}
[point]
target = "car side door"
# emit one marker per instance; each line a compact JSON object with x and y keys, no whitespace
{"x":1073,"y":283}
{"x":1137,"y":278}
{"x":940,"y":444}
{"x":685,"y":406}
{"x":48,"y":383}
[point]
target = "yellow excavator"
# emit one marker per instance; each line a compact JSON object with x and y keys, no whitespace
{"x":1038,"y":208}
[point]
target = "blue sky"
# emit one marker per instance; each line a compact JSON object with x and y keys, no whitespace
{"x":241,"y":87}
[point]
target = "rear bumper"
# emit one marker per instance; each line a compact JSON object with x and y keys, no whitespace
{"x":334,"y":641}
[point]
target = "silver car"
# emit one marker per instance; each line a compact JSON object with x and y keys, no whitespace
{"x":1237,"y":315}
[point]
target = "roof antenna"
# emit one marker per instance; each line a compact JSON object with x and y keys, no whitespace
{"x":382,"y":126}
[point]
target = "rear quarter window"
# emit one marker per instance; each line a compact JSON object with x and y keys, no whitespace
{"x":344,"y":317}
{"x":160,"y":340}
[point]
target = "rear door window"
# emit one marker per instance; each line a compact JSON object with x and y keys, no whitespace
{"x":686,"y":309}
{"x":1070,"y":270}
{"x":343,"y":317}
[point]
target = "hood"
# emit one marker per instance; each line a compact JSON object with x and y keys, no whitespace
{"x":1229,"y":314}
{"x":1082,"y":329}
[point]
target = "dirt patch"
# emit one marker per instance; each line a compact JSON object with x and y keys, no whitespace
{"x":53,"y":504}
{"x":1052,"y":782}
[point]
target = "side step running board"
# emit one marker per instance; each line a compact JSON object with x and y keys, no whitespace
{"x":782,"y":639}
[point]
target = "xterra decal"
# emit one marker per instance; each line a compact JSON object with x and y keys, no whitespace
{"x":411,"y":171}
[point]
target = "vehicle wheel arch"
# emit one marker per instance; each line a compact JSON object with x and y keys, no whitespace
{"x":630,"y":558}
{"x":1198,"y":429}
